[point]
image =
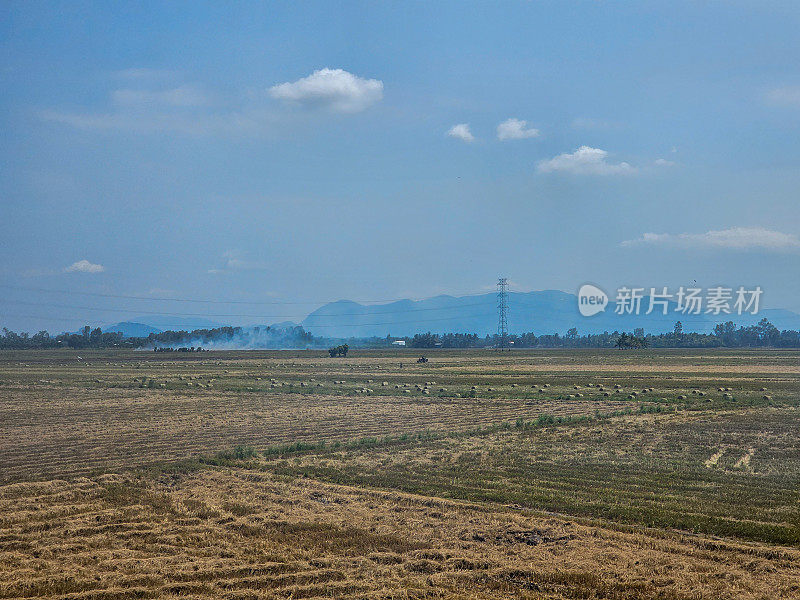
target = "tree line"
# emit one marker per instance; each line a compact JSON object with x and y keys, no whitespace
{"x":724,"y":335}
{"x":90,"y":338}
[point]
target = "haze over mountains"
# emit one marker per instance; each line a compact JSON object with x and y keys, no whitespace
{"x":540,"y":312}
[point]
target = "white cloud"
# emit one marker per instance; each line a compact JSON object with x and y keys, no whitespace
{"x":736,"y":238}
{"x":787,"y":96}
{"x":153,"y":103}
{"x":84,"y":266}
{"x":515,"y":129}
{"x":335,"y":89}
{"x":663,"y":162}
{"x":461,"y":132}
{"x":584,"y":161}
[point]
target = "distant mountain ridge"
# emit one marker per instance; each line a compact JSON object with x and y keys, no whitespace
{"x":132,"y":329}
{"x":540,"y":312}
{"x":158,"y":323}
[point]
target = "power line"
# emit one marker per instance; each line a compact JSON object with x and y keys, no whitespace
{"x":310,"y":326}
{"x":198,"y":301}
{"x":39,"y":317}
{"x":216,"y":315}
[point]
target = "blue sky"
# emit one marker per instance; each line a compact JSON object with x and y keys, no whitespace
{"x":306,"y":152}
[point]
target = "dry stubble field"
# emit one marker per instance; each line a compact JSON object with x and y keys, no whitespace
{"x":534,"y":474}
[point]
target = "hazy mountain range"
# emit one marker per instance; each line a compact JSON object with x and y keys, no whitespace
{"x":541,"y":312}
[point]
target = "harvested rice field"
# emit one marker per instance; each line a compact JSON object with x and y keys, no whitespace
{"x":525,"y":474}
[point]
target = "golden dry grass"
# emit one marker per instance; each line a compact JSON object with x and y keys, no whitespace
{"x":642,"y":469}
{"x":236,"y":533}
{"x":50,"y":431}
{"x":78,"y":519}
